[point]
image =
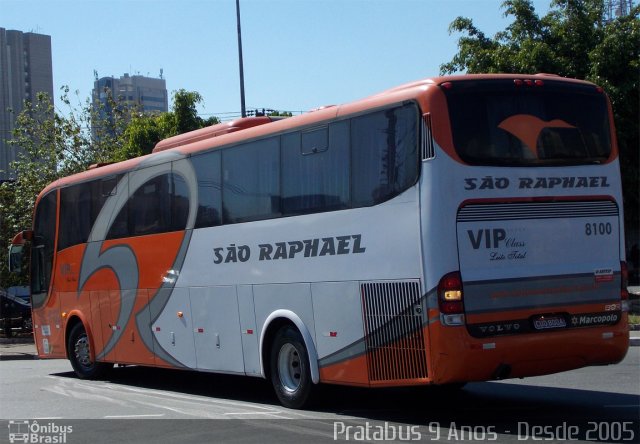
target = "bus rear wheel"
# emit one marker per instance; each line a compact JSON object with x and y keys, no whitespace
{"x":79,"y":353}
{"x":290,"y":374}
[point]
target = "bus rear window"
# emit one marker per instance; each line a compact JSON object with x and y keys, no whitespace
{"x":499,"y":123}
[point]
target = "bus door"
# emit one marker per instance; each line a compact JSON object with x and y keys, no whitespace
{"x":121,"y":314}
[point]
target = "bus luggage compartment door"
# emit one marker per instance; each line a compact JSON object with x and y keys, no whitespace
{"x":524,"y":263}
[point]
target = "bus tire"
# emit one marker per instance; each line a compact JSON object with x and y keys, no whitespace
{"x":290,"y":373}
{"x":79,"y":353}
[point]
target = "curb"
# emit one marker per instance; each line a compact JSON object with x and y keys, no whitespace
{"x":18,"y":357}
{"x":28,"y":340}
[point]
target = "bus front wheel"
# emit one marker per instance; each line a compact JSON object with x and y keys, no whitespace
{"x":290,"y":374}
{"x":79,"y":353}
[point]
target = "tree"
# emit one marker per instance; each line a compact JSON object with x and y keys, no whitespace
{"x":53,"y":143}
{"x":48,"y":146}
{"x":144,"y":131}
{"x":571,"y":40}
{"x":7,"y":231}
{"x":141,"y":135}
{"x":616,"y":67}
{"x":184,"y":111}
{"x":276,"y":113}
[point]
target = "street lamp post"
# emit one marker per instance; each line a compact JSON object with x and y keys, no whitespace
{"x":242,"y":105}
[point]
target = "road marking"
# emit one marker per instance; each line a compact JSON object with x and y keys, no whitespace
{"x":133,"y":416}
{"x":253,"y":413}
{"x":186,"y":398}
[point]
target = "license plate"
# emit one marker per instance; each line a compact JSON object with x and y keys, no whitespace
{"x":545,"y":322}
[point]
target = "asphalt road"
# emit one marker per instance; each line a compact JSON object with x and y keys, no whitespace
{"x":600,"y":404}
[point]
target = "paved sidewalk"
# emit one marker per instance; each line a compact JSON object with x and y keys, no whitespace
{"x":12,"y":349}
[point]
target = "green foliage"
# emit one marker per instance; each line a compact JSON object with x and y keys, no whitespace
{"x":106,"y":124}
{"x":616,"y":66}
{"x":276,"y":113}
{"x":184,"y":111}
{"x":144,"y":131}
{"x":141,"y":135}
{"x":7,"y":231}
{"x":571,"y":40}
{"x":50,"y":144}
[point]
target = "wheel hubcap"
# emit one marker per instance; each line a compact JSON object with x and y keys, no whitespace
{"x":82,"y":352}
{"x":289,"y":367}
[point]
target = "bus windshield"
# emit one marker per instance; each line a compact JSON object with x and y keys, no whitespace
{"x":507,"y":122}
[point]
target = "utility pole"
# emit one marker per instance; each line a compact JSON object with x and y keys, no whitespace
{"x":242,"y":106}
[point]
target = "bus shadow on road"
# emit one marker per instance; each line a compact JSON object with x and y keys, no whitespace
{"x":486,"y":411}
{"x":214,"y":385}
{"x":476,"y":402}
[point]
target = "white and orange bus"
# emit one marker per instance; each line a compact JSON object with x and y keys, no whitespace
{"x":453,"y":229}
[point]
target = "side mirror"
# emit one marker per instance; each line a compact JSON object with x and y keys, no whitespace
{"x":15,"y":258}
{"x":16,"y":248}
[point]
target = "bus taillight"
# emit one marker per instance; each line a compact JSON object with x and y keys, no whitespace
{"x":528,"y":82}
{"x":450,"y":299}
{"x":624,"y":292}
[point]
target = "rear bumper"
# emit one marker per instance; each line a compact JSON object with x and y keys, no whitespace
{"x":459,"y":357}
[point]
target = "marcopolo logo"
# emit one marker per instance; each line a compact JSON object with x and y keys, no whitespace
{"x":590,"y":319}
{"x":34,"y":432}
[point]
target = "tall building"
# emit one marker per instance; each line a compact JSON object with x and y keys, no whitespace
{"x":617,"y":8}
{"x":25,"y":70}
{"x":150,"y":94}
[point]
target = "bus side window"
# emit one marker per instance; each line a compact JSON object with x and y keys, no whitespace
{"x":251,"y":181}
{"x":314,"y":141}
{"x":120,"y":226}
{"x":179,"y":202}
{"x":384,"y":148}
{"x":43,"y":240}
{"x":315,"y":170}
{"x":150,"y":207}
{"x":159,"y":205}
{"x":75,"y":216}
{"x":109,"y":186}
{"x":208,"y":175}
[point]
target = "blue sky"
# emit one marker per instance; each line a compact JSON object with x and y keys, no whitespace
{"x":298,"y":54}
